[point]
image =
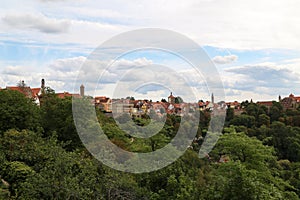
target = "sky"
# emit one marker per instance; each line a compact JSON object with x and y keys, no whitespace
{"x":254,"y":45}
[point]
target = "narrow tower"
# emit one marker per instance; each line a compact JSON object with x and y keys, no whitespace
{"x":43,"y":86}
{"x":82,"y":90}
{"x":212,"y":98}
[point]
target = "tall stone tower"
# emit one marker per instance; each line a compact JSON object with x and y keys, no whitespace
{"x":43,"y":86}
{"x":212,"y":98}
{"x":82,"y":90}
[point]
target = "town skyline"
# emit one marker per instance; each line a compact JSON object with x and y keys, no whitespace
{"x":82,"y":92}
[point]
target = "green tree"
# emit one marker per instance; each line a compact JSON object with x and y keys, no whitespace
{"x":16,"y":173}
{"x":249,"y":173}
{"x":57,"y":118}
{"x":263,"y":119}
{"x":275,"y":111}
{"x":18,"y":112}
{"x":229,"y":114}
{"x":243,"y":120}
{"x":252,"y":109}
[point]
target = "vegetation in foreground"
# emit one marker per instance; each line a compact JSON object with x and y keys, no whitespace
{"x":41,"y":156}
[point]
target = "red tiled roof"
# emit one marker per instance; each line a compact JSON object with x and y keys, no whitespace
{"x":265,"y":103}
{"x":176,"y":105}
{"x":297,"y":99}
{"x":35,"y":91}
{"x":66,"y":94}
{"x":27,"y":91}
{"x":16,"y":88}
{"x":101,"y":99}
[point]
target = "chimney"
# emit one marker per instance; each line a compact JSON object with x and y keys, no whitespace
{"x":82,"y":90}
{"x":279,"y":98}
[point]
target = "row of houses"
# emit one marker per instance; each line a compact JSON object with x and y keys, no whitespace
{"x":173,"y":105}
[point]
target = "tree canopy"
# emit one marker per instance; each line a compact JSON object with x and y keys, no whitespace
{"x":42,"y":157}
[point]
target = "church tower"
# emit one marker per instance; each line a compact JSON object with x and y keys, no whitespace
{"x":171,"y":98}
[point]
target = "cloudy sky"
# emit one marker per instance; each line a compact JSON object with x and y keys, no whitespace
{"x":254,"y":45}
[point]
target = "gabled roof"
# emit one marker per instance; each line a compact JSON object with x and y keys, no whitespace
{"x":27,"y":91}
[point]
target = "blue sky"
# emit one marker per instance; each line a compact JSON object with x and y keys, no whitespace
{"x":254,"y":44}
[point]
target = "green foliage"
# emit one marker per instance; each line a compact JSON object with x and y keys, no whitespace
{"x":16,"y":173}
{"x":286,"y":140}
{"x":263,"y":119}
{"x":229,"y":114}
{"x":243,"y":120}
{"x":41,"y":156}
{"x":275,"y":111}
{"x":250,"y":172}
{"x":57,"y":117}
{"x":18,"y":112}
{"x":233,"y":181}
{"x":249,"y":151}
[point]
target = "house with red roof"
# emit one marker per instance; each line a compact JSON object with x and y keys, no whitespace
{"x":33,"y":93}
{"x":103,"y":103}
{"x":290,"y":102}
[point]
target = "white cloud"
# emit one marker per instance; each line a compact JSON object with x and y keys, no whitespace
{"x":225,"y":59}
{"x":68,"y":64}
{"x":234,"y":24}
{"x":15,"y":70}
{"x":120,"y":79}
{"x":264,"y":81}
{"x":37,"y":22}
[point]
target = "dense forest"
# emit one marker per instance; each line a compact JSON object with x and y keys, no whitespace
{"x":42,"y":157}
